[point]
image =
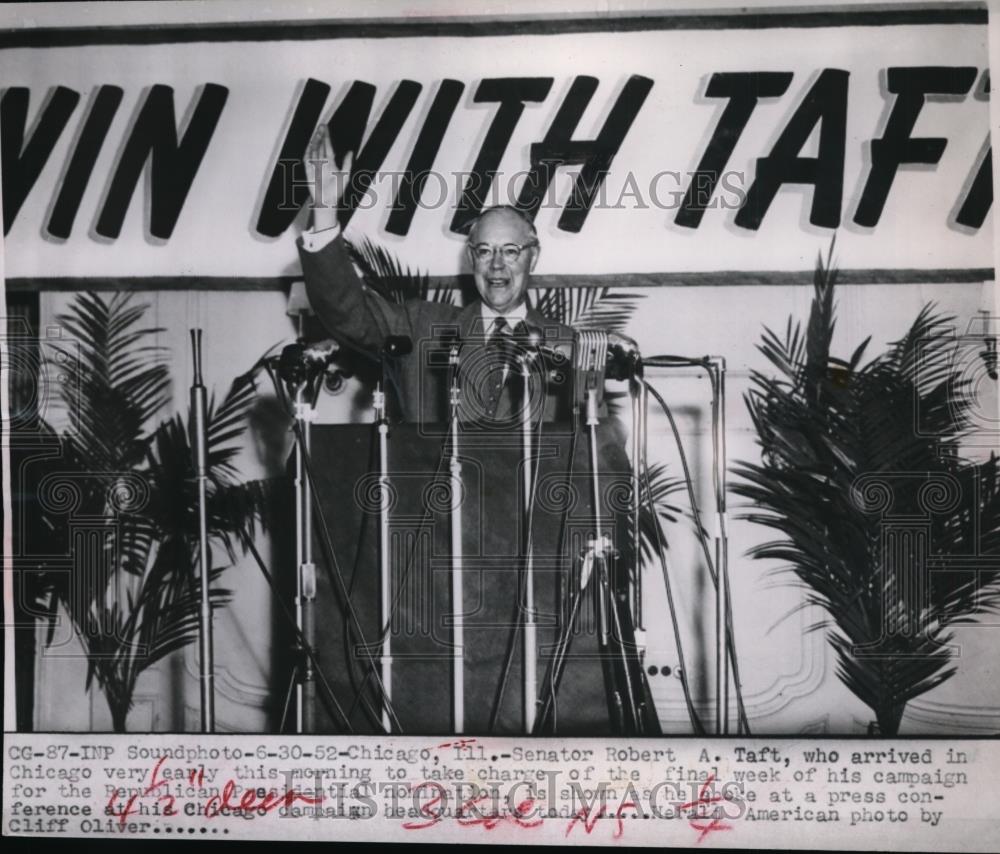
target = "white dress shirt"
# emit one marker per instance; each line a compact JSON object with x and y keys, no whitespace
{"x":513,"y":317}
{"x":313,"y":241}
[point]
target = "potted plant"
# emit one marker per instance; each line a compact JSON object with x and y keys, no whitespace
{"x":862,"y":478}
{"x":121,"y":499}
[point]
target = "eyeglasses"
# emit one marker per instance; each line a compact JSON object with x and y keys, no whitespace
{"x":509,"y":252}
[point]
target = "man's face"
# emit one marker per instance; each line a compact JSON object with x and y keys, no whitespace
{"x":502,"y":283}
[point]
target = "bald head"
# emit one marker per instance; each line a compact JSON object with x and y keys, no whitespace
{"x":506,"y":218}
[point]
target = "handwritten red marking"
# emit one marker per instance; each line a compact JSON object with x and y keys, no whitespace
{"x":589,"y":820}
{"x":462,"y":742}
{"x":130,"y":807}
{"x":214,"y":806}
{"x":248,"y":800}
{"x":520,"y":816}
{"x":620,"y":829}
{"x":715,"y":823}
{"x":428,"y":808}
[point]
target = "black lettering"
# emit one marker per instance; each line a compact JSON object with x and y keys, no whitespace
{"x":979,"y":199}
{"x":347,"y":127}
{"x":826,"y":105}
{"x":422,"y":157}
{"x":22,"y":162}
{"x":288,"y":188}
{"x":896,"y":147}
{"x":511,"y":93}
{"x":558,"y":148}
{"x":174,"y":163}
{"x":743,"y":89}
{"x":81,"y":164}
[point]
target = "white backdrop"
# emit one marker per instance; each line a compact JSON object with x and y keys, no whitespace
{"x":215,"y":235}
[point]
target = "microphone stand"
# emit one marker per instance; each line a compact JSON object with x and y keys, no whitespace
{"x":529,"y":625}
{"x":206,"y":664}
{"x":457,"y":591}
{"x":595,"y":566}
{"x":717,"y":373}
{"x":725,"y":645}
{"x":640,"y":409}
{"x":305,"y":583}
{"x":385,"y":576}
{"x":630,"y":711}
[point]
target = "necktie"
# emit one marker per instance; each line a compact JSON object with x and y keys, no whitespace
{"x":499,"y":354}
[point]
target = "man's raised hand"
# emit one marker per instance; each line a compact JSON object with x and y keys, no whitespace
{"x":327,"y":183}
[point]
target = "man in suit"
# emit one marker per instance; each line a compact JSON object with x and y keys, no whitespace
{"x":502,"y":250}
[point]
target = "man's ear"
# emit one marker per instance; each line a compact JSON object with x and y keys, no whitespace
{"x":535,"y":252}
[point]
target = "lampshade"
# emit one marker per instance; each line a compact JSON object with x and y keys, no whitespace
{"x":298,"y":300}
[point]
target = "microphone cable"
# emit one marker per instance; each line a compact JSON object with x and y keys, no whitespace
{"x":348,"y":639}
{"x":336,"y":579}
{"x":332,"y":566}
{"x":330,"y":697}
{"x":702,"y":537}
{"x":696,"y":724}
{"x":575,"y":606}
{"x":518,"y":608}
{"x":389,"y":368}
{"x":553,"y":672}
{"x":397,"y":594}
{"x":519,"y":603}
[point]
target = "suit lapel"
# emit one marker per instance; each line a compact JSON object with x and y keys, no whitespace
{"x":470,"y":322}
{"x":472,"y":360}
{"x":536,"y":319}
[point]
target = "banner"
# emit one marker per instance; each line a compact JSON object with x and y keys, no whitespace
{"x":717,"y":149}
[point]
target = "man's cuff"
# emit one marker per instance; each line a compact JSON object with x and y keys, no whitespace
{"x":313,"y":241}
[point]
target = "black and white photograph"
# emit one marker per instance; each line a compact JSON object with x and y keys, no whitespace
{"x":558,"y":373}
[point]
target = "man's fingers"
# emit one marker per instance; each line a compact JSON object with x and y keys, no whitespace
{"x":318,"y":147}
{"x":321,"y":162}
{"x":315,"y":150}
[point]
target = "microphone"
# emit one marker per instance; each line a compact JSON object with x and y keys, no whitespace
{"x":623,"y":342}
{"x":299,"y":361}
{"x":396,"y":346}
{"x":531,"y":338}
{"x":321,"y":353}
{"x":624,"y":358}
{"x":668,"y":360}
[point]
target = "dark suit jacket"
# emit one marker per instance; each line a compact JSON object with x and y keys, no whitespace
{"x":359,"y":317}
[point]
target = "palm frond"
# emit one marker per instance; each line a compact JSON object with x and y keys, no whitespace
{"x":133,"y":598}
{"x":657,"y":488}
{"x":588,"y":308}
{"x":384,"y":274}
{"x":837,"y":435}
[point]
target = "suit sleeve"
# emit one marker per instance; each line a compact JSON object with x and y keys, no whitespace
{"x":352,"y":313}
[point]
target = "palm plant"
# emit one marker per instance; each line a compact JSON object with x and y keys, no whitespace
{"x":588,"y":308}
{"x":865,"y":498}
{"x":132,"y":529}
{"x":382,"y":271}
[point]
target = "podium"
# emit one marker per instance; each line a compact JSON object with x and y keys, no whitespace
{"x":345,"y":474}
